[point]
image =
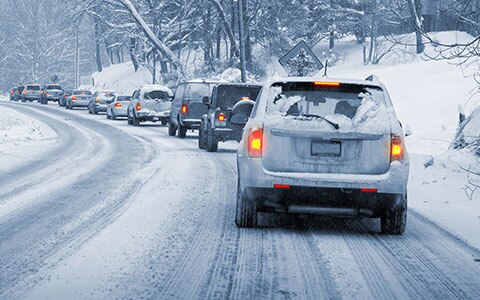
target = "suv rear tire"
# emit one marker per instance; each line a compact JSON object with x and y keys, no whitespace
{"x":246,"y":212}
{"x":394,"y":221}
{"x":201,"y":138}
{"x":135,"y":121}
{"x":212,"y":142}
{"x":172,"y":130}
{"x":182,"y":131}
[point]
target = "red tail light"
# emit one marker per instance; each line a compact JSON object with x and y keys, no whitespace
{"x":74,"y":98}
{"x":184,"y":109}
{"x":138,"y":106}
{"x":11,"y":92}
{"x":221,"y":117}
{"x":367,"y":190}
{"x":46,"y":94}
{"x":118,"y":104}
{"x":281,"y":186}
{"x":255,"y":143}
{"x":25,"y":92}
{"x":396,"y":149}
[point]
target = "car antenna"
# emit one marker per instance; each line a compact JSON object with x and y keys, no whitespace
{"x":326,"y":68}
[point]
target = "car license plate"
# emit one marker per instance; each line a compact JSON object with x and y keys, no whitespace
{"x":326,"y":148}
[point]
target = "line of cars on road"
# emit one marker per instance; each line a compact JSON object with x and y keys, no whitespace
{"x":306,"y":145}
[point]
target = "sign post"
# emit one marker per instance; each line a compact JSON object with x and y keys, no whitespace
{"x":301,"y":61}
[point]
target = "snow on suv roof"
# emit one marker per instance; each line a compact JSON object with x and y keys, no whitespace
{"x":373,"y":82}
{"x":156,"y":87}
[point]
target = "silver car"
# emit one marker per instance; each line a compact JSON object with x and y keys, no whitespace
{"x":31,"y":92}
{"x":118,"y":108}
{"x":150,"y":103}
{"x":323,"y":147}
{"x":79,"y":98}
{"x":100,"y":101}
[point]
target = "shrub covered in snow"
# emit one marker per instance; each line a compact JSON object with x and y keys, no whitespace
{"x":468,"y":134}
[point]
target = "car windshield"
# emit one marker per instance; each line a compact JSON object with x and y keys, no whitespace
{"x":33,"y":87}
{"x":161,"y":95}
{"x":228,"y":95}
{"x":82,"y":93}
{"x":53,"y":87}
{"x":199,"y":90}
{"x":106,"y":94}
{"x":124,"y":98}
{"x":300,"y":99}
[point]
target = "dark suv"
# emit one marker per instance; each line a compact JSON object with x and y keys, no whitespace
{"x":51,"y":92}
{"x":222,"y":123}
{"x":187,"y":107}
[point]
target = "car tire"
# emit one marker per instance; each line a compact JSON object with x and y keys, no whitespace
{"x":135,"y":121}
{"x":211,"y":141}
{"x":201,"y":138}
{"x":394,"y":221}
{"x":113,"y":117}
{"x":246,"y":210}
{"x":182,"y":131}
{"x":172,"y":130}
{"x":107,"y":116}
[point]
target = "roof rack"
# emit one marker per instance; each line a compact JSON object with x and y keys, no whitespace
{"x":372,"y":78}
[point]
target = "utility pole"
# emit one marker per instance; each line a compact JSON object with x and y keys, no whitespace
{"x":77,"y":59}
{"x":243,"y":65}
{"x":154,"y":80}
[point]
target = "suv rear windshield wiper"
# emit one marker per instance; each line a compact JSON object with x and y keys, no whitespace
{"x":335,"y":125}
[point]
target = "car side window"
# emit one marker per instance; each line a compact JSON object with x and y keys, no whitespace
{"x":179,"y":93}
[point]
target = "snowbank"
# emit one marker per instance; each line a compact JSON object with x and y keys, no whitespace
{"x":121,"y":78}
{"x":16,"y":127}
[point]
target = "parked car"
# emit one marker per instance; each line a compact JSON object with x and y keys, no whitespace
{"x":323,"y":147}
{"x":31,"y":92}
{"x":150,"y":103}
{"x":99,"y":101}
{"x":13,"y":93}
{"x":51,"y":92}
{"x":227,"y":99}
{"x":187,"y":106}
{"x":118,"y":108}
{"x":79,"y":98}
{"x":63,"y":100}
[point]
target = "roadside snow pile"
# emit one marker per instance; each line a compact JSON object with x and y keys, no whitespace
{"x":15,"y":127}
{"x":468,"y":135}
{"x":122,"y":78}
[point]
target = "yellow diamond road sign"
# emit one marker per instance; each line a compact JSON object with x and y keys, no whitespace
{"x":301,"y":61}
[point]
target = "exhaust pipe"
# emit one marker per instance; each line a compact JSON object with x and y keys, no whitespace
{"x":329,"y":211}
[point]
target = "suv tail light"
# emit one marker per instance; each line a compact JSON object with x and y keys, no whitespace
{"x":184,"y":109}
{"x":138,"y":106}
{"x":46,"y":94}
{"x":255,"y":143}
{"x":74,"y":98}
{"x":221,"y":117}
{"x":11,"y":92}
{"x":118,"y":104}
{"x":396,"y":148}
{"x":25,"y":92}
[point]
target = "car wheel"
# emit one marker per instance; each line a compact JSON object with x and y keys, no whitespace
{"x":201,"y":137}
{"x":113,"y":117}
{"x":212,"y":142}
{"x":394,"y":221}
{"x":246,"y":212}
{"x":135,"y":121}
{"x":90,"y":111}
{"x":95,"y":111}
{"x":107,"y":116}
{"x":172,"y":130}
{"x":182,"y":131}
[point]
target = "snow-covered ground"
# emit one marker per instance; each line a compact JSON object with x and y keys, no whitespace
{"x":22,"y":138}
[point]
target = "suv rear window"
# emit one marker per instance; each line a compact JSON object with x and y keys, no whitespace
{"x":196,"y":91}
{"x":299,"y":99}
{"x":161,"y":95}
{"x":124,"y":98}
{"x":33,"y":87}
{"x":228,"y":95}
{"x":79,"y":92}
{"x":53,"y":87}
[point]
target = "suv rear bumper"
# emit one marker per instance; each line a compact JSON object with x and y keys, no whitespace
{"x":254,"y":178}
{"x":191,"y":123}
{"x":153,"y":116}
{"x":228,"y":134}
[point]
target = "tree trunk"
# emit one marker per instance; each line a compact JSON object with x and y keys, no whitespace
{"x":415,"y":7}
{"x":246,"y":29}
{"x":98,"y":55}
{"x":133,"y":56}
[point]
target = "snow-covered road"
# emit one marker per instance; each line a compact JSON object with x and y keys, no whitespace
{"x":113,"y":211}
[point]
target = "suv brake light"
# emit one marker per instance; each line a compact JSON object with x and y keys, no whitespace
{"x":118,"y":104}
{"x":255,"y":143}
{"x":221,"y":117}
{"x":396,"y":148}
{"x":74,"y":97}
{"x":184,"y":109}
{"x":138,"y":106}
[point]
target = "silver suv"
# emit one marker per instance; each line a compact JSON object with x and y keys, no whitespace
{"x":323,"y":147}
{"x":150,"y":103}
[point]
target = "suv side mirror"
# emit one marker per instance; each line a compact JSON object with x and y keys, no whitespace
{"x":206,"y":101}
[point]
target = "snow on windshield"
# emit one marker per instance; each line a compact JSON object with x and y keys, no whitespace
{"x":306,"y":109}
